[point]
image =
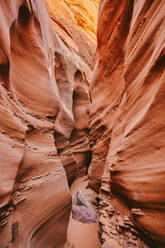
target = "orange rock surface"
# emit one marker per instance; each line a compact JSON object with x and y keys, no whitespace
{"x":80,"y":12}
{"x":63,"y":107}
{"x":127,"y":120}
{"x":44,"y":76}
{"x":74,"y":63}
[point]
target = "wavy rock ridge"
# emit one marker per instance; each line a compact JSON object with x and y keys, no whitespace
{"x":43,"y":138}
{"x":81,"y":12}
{"x":126,"y":121}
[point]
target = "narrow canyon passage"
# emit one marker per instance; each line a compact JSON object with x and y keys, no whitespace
{"x":83,"y":235}
{"x":82,"y":134}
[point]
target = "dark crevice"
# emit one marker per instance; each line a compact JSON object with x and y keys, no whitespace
{"x":23,"y":15}
{"x":4,"y":72}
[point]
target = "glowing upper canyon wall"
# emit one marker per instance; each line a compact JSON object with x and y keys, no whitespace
{"x":83,"y":12}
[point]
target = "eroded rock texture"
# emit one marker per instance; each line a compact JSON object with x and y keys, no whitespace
{"x":43,"y":96}
{"x":81,"y":12}
{"x":74,"y":63}
{"x":127,"y":121}
{"x":46,"y":65}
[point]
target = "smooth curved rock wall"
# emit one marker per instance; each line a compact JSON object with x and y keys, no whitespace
{"x":127,"y":121}
{"x":74,"y":63}
{"x":38,"y":64}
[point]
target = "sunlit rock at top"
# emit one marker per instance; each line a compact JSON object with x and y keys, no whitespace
{"x":83,"y":12}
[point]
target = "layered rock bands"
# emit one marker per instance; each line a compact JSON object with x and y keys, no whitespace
{"x":44,"y":107}
{"x":127,"y":121}
{"x":59,"y":112}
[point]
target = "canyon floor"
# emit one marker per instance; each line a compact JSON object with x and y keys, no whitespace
{"x":82,"y":235}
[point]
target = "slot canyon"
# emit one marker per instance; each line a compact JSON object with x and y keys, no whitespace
{"x":82,"y":100}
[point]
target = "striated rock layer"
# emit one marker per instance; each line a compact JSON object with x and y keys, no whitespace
{"x":43,"y":95}
{"x":81,"y":12}
{"x":74,"y":63}
{"x":46,"y":65}
{"x":127,"y":121}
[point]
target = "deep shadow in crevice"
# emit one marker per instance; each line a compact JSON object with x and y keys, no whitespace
{"x":89,"y":159}
{"x":23,"y":15}
{"x":4,"y":72}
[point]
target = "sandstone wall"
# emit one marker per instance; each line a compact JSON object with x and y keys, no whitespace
{"x":42,"y":71}
{"x":73,"y":70}
{"x":46,"y":67}
{"x":127,"y":121}
{"x":81,"y":12}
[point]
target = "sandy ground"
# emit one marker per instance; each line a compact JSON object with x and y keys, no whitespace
{"x":79,"y":234}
